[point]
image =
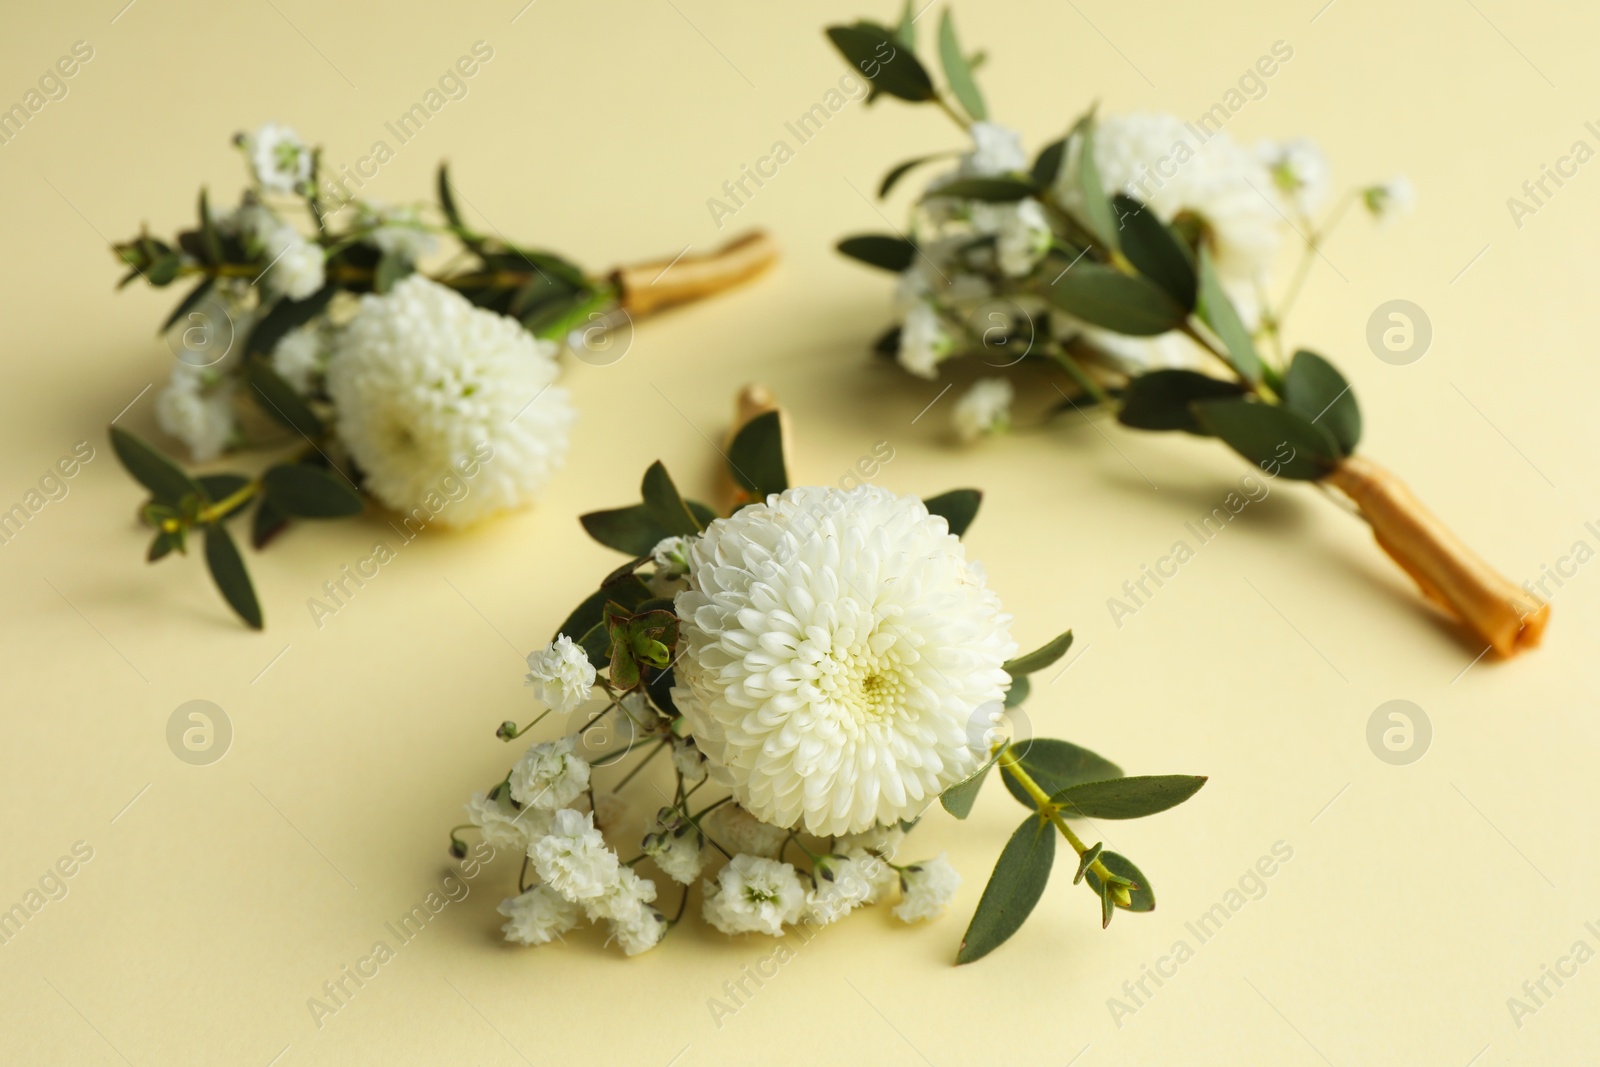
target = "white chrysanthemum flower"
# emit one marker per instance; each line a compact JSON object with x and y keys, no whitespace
{"x":278,"y":158}
{"x":549,"y":775}
{"x":986,"y":408}
{"x":538,"y":916}
{"x":884,"y":840}
{"x":573,"y":858}
{"x":753,"y":894}
{"x":923,"y":341}
{"x":834,"y":645}
{"x":843,"y":885}
{"x":1158,"y":159}
{"x":399,"y":231}
{"x":300,"y":356}
{"x":197,"y":410}
{"x":296,"y":267}
{"x":1299,"y":170}
{"x":424,"y":382}
{"x":561,"y":675}
{"x":733,"y":826}
{"x":1392,"y":200}
{"x":929,"y":887}
{"x":504,"y":826}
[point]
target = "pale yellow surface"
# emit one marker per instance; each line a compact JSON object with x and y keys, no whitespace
{"x":1418,"y":900}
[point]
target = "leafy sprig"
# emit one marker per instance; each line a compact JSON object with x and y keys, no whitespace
{"x":630,"y":634}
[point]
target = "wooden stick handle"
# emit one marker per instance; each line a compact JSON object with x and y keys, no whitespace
{"x":645,"y":288}
{"x":1449,"y":573}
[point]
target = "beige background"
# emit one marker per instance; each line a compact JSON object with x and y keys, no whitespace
{"x":1418,"y":898}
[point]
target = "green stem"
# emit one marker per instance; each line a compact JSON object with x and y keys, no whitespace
{"x":1085,"y":381}
{"x":660,"y":746}
{"x":1048,"y":810}
{"x":1313,"y":245}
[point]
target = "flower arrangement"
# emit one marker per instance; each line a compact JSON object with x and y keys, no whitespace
{"x":828,"y":661}
{"x":1132,"y":254}
{"x":432,"y":394}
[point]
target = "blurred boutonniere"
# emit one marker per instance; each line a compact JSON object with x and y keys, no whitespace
{"x":1132,"y":255}
{"x":822,"y":664}
{"x":309,"y":329}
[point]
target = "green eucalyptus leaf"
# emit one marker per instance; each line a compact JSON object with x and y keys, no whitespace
{"x":188,"y":303}
{"x":1313,"y":387}
{"x":662,"y":499}
{"x":900,"y":170}
{"x":1056,"y":765}
{"x":905,"y":30}
{"x":267,"y":522}
{"x":959,"y":798}
{"x":1141,"y":896}
{"x":1047,"y":165}
{"x":958,"y":508}
{"x":210,"y":239}
{"x":1098,"y":217}
{"x":988,"y":190}
{"x":957,"y":73}
{"x":151,"y":468}
{"x":1156,"y":251}
{"x":1126,"y":798}
{"x":1014,"y":888}
{"x":876,"y":250}
{"x":279,"y":400}
{"x":883,"y":60}
{"x":633,"y":530}
{"x":1272,"y":437}
{"x":164,"y":543}
{"x":1160,"y":399}
{"x":755,"y":457}
{"x":1217,"y":311}
{"x":392,"y":268}
{"x":1089,"y":856}
{"x":1018,"y":691}
{"x":164,"y":271}
{"x":447,"y":198}
{"x":228,"y":571}
{"x":286,"y":316}
{"x":310,"y":492}
{"x":1103,"y":296}
{"x":1041,"y":657}
{"x":702,"y":514}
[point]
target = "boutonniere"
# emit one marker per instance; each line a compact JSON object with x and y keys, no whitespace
{"x":1132,"y":255}
{"x":309,"y":330}
{"x":826,"y":667}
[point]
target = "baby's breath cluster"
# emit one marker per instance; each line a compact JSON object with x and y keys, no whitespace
{"x":821,"y":666}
